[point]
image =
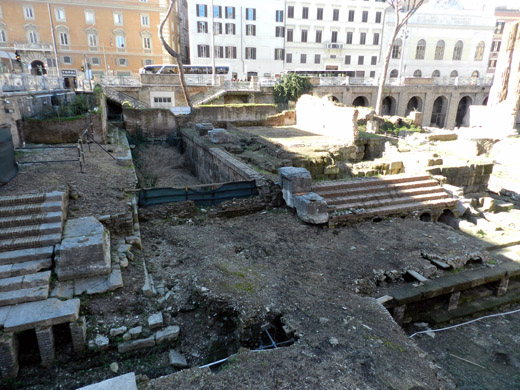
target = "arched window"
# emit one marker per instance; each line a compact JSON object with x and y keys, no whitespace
{"x":454,"y":74}
{"x":436,"y":73}
{"x":479,"y":52}
{"x":475,"y":74}
{"x":396,"y":48}
{"x":394,"y":73}
{"x":417,"y":73}
{"x":421,"y":49}
{"x":439,"y":50}
{"x":457,"y":51}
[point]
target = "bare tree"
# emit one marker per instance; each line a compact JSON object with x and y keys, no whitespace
{"x":403,"y":10}
{"x":174,"y":54}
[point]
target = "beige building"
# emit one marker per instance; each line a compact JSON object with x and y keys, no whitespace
{"x":109,"y":37}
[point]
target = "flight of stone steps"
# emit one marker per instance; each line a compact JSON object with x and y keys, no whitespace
{"x":366,"y":198}
{"x":30,"y":226}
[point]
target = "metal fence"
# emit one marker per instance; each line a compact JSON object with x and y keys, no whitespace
{"x":28,"y":82}
{"x":126,"y":81}
{"x":205,"y":195}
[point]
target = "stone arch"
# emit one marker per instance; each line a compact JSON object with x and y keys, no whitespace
{"x":333,"y":98}
{"x":436,"y":73}
{"x":389,"y":106}
{"x":38,"y":68}
{"x":475,"y":74}
{"x":454,"y":73}
{"x":440,"y":107}
{"x":462,"y":118}
{"x":360,"y":101}
{"x":394,"y":73}
{"x":485,"y":101}
{"x":415,"y":103}
{"x":417,"y":73}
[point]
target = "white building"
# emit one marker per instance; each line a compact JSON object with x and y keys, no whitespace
{"x":442,"y":40}
{"x":335,"y":35}
{"x":247,"y":36}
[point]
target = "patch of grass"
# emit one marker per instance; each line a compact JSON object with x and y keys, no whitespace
{"x":246,"y":287}
{"x":481,"y":233}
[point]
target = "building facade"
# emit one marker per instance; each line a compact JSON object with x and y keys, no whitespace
{"x":81,"y":38}
{"x":502,"y":16}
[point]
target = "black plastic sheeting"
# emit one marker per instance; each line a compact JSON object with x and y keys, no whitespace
{"x":203,"y":196}
{"x":8,"y":166}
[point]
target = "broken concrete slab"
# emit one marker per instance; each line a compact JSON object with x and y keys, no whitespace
{"x":51,"y":311}
{"x":167,"y":334}
{"x":123,"y":382}
{"x":177,"y":360}
{"x":99,"y":284}
{"x":134,"y":345}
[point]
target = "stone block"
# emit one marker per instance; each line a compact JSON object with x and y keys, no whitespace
{"x":123,"y":382}
{"x":9,"y":355}
{"x":294,"y":180}
{"x":219,"y":136}
{"x":134,"y":241}
{"x":45,"y":337}
{"x":135,"y":345}
{"x":177,"y":360}
{"x":84,"y":251}
{"x":311,"y":208}
{"x":78,"y":332}
{"x":155,"y":320}
{"x":136,"y":332}
{"x":114,"y":332}
{"x":100,"y":343}
{"x":99,"y":284}
{"x":167,"y":334}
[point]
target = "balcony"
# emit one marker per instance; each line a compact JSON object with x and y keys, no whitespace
{"x":331,"y":45}
{"x":33,"y":46}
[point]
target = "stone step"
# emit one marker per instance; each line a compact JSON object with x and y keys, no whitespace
{"x":16,"y":297}
{"x":367,"y":182}
{"x":25,"y":281}
{"x":55,"y":196}
{"x":30,"y":230}
{"x":29,"y":267}
{"x":34,"y":208}
{"x":24,"y":255}
{"x":378,"y":187}
{"x":29,"y":242}
{"x":20,"y":220}
{"x":377,"y":203}
{"x":392,"y":193}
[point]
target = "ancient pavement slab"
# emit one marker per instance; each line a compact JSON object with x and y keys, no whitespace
{"x":51,"y":311}
{"x":99,"y":284}
{"x":123,"y":382}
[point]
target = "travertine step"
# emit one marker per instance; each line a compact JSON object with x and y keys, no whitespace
{"x":369,"y":204}
{"x":32,"y":294}
{"x":386,"y":194}
{"x":23,"y":255}
{"x":361,"y":188}
{"x":20,"y":220}
{"x":29,"y":267}
{"x":29,"y":242}
{"x":54,"y":196}
{"x":30,"y":230}
{"x":25,"y":281}
{"x":33,"y":208}
{"x":364,"y":182}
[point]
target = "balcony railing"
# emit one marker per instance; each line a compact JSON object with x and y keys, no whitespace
{"x":28,"y":82}
{"x":334,"y":45}
{"x":33,"y":46}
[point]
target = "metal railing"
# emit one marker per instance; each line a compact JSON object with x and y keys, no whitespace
{"x":121,"y":81}
{"x":122,"y":98}
{"x":28,"y":82}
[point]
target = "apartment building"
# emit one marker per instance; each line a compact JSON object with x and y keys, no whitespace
{"x":109,"y":37}
{"x":502,"y":16}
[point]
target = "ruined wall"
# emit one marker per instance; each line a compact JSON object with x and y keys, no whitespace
{"x":473,"y":178}
{"x":57,"y":132}
{"x":285,"y":118}
{"x":151,"y":123}
{"x":240,"y":113}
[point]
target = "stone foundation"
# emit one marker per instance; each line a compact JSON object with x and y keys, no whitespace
{"x":9,"y":355}
{"x":45,"y":338}
{"x":78,"y":332}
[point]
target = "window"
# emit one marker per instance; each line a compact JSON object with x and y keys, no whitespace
{"x":334,"y":37}
{"x":288,"y":58}
{"x":439,"y":50}
{"x":28,"y":12}
{"x":375,"y":39}
{"x":122,"y":61}
{"x":454,"y":74}
{"x":360,"y":60}
{"x":95,"y":60}
{"x":219,"y":51}
{"x":230,"y":12}
{"x":1,"y":15}
{"x":202,"y":10}
{"x":304,"y":35}
{"x":250,"y":29}
{"x":335,"y":14}
{"x":231,"y":52}
{"x":203,"y":51}
{"x":378,"y":17}
{"x":499,"y":28}
{"x":457,"y":51}
{"x":217,"y":11}
{"x":90,"y":17}
{"x":319,"y":14}
{"x":32,"y":36}
{"x":364,"y":17}
{"x":420,"y":50}
{"x":436,"y":73}
{"x":278,"y":54}
{"x":350,"y":35}
{"x":479,"y":52}
{"x":202,"y":27}
{"x":318,"y":36}
{"x":362,"y":38}
{"x":492,"y":63}
{"x":120,"y":41}
{"x":495,"y":47}
{"x":305,"y":12}
{"x":303,"y":58}
{"x":250,"y":14}
{"x":63,"y":38}
{"x":396,"y":48}
{"x":290,"y":12}
{"x":147,"y":61}
{"x":145,"y":20}
{"x":3,"y":35}
{"x":250,"y":53}
{"x":317,"y":58}
{"x":279,"y":32}
{"x":417,"y":73}
{"x":475,"y":74}
{"x":147,"y":42}
{"x":67,"y":60}
{"x":230,"y":28}
{"x":162,"y":99}
{"x":394,"y":73}
{"x":347,"y":60}
{"x":60,"y":14}
{"x":279,"y":16}
{"x":217,"y":28}
{"x":289,"y":35}
{"x":351,"y":14}
{"x":118,"y":18}
{"x":373,"y":60}
{"x":372,"y":73}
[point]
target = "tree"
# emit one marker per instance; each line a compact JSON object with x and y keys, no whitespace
{"x":174,"y":54}
{"x":291,"y":87}
{"x":403,"y":10}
